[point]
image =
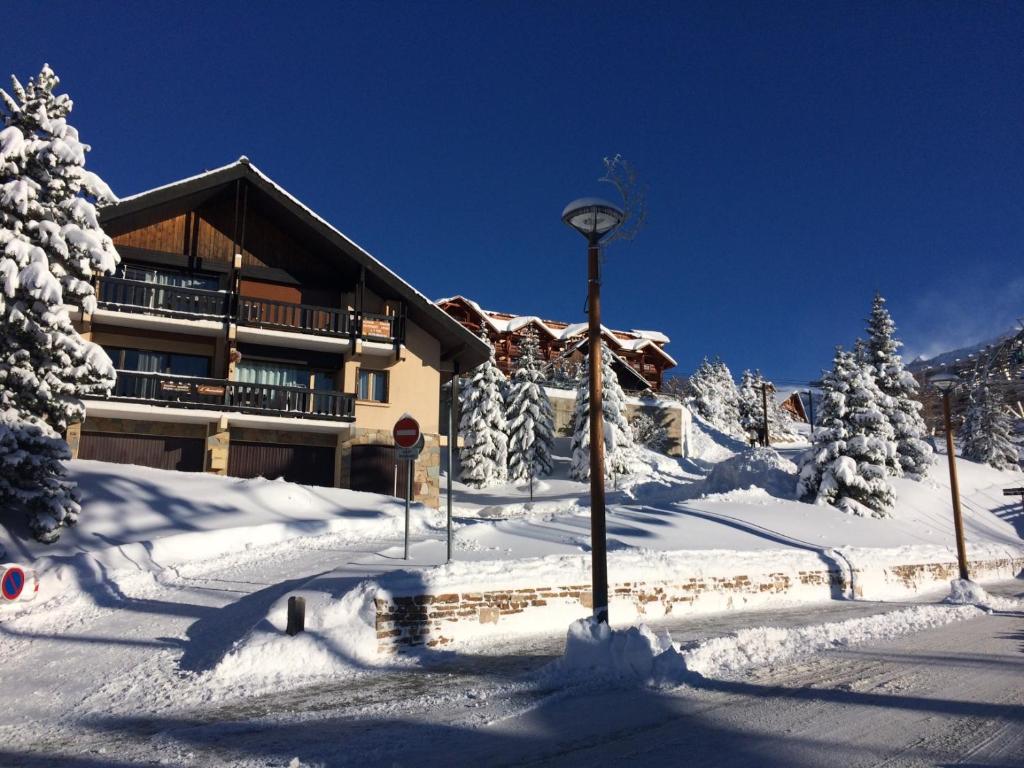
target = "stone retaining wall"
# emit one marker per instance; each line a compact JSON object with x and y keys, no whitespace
{"x":432,"y":620}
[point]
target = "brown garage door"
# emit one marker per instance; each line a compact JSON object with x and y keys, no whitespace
{"x":184,"y":454}
{"x":306,"y":464}
{"x":373,"y":470}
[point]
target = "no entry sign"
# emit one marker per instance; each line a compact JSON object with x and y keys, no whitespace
{"x":406,"y":432}
{"x":12,"y":582}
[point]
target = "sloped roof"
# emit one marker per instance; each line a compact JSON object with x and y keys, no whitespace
{"x":457,"y":342}
{"x":505,"y":322}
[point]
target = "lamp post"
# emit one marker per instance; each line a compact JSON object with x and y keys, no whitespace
{"x":594,"y":218}
{"x":945,"y":383}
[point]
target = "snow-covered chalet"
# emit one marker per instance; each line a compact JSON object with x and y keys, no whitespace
{"x":639,"y":357}
{"x":252,"y":338}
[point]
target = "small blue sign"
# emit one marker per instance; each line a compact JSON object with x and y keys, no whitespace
{"x":12,"y":582}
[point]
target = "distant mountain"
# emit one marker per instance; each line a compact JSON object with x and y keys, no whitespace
{"x":948,"y":358}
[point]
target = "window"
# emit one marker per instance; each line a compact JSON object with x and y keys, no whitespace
{"x":275,"y":374}
{"x":125,"y":359}
{"x":373,"y":385}
{"x":167,"y":277}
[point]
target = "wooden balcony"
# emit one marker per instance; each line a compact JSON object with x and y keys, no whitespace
{"x":135,"y":296}
{"x":223,"y":395}
{"x":297,"y":318}
{"x":123,"y":295}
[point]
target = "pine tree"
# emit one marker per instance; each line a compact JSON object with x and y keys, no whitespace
{"x":649,"y":432}
{"x":51,"y":247}
{"x":715,"y":396}
{"x":531,"y":419}
{"x":902,"y":407}
{"x":484,"y":455}
{"x":846,"y":465}
{"x":987,"y":434}
{"x":751,"y":409}
{"x":619,"y":450}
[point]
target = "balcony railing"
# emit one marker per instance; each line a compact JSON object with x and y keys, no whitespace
{"x":243,"y":397}
{"x":302,"y":318}
{"x":119,"y":293}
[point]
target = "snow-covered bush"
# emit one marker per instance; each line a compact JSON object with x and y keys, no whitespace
{"x":901,"y":406}
{"x":484,"y":454}
{"x":51,"y":248}
{"x":715,"y":397}
{"x":619,"y":455}
{"x":758,"y":467}
{"x":987,"y":434}
{"x":649,"y":432}
{"x":853,"y":446}
{"x":531,"y":420}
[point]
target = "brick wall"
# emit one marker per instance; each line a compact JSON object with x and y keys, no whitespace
{"x":433,"y":620}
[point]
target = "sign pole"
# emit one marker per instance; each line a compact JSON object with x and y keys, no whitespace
{"x":408,"y":443}
{"x":408,"y":495}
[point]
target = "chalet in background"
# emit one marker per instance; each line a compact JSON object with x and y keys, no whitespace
{"x":253,"y":338}
{"x":639,"y":357}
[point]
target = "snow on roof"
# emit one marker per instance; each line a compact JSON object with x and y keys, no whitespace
{"x":505,"y":322}
{"x":657,"y":336}
{"x":173,"y":184}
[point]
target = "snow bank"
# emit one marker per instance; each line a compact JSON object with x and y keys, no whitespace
{"x":142,"y":519}
{"x":758,"y":646}
{"x":595,"y":651}
{"x":760,"y":468}
{"x":966,"y":592}
{"x":339,"y":639}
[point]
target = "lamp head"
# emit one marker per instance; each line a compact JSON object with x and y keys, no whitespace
{"x":592,"y":217}
{"x":944,"y":382}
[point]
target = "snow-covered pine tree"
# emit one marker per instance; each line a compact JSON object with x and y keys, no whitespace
{"x":902,"y":407}
{"x":484,"y":455}
{"x":715,"y":397}
{"x":846,"y":464}
{"x":51,"y":246}
{"x":987,"y":434}
{"x":751,"y":409}
{"x":531,"y":419}
{"x":619,"y":450}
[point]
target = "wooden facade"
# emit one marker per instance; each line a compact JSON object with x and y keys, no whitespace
{"x":557,"y":339}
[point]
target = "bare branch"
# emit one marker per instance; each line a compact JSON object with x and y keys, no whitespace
{"x":621,"y":174}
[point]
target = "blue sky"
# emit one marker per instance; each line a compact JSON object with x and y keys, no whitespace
{"x":799,"y":155}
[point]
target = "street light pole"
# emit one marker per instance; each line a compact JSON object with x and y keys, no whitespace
{"x":945,"y":383}
{"x":594,"y":218}
{"x":598,"y":538}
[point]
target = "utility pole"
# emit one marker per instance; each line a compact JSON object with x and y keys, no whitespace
{"x":765,"y":441}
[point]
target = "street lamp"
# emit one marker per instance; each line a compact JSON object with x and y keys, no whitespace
{"x":945,"y":383}
{"x":594,"y":218}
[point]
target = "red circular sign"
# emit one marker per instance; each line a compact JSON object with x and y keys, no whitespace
{"x":12,"y":582}
{"x":406,"y":432}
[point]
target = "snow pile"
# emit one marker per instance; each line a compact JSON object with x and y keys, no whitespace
{"x":760,"y":468}
{"x":339,"y":639}
{"x":637,"y":654}
{"x":966,"y":592}
{"x":758,"y":646}
{"x":708,"y":444}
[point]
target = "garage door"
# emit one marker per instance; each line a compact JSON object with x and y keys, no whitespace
{"x":184,"y":454}
{"x":373,"y":470}
{"x":306,"y":464}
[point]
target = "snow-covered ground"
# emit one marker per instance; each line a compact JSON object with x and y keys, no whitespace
{"x":149,"y":638}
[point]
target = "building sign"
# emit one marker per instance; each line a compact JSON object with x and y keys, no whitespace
{"x":374,"y":327}
{"x":210,"y":390}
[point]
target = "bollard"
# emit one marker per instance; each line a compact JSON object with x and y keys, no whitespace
{"x":296,"y":615}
